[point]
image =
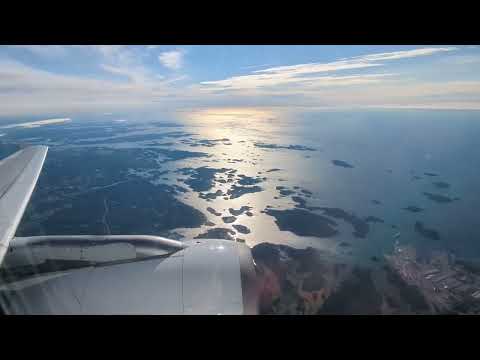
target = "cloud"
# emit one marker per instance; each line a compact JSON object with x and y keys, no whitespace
{"x":317,"y":67}
{"x":27,"y":90}
{"x":172,"y":59}
{"x":38,"y":123}
{"x":134,"y":74}
{"x":356,"y":62}
{"x":121,"y":60}
{"x":118,"y":78}
{"x":252,"y":82}
{"x":124,"y":78}
{"x":395,"y":55}
{"x":306,"y":73}
{"x":126,"y":62}
{"x":347,"y":83}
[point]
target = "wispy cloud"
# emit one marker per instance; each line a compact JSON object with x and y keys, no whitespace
{"x":306,"y":73}
{"x":134,"y":74}
{"x":395,"y":55}
{"x":24,"y":90}
{"x":131,"y":77}
{"x":37,"y":123}
{"x":264,"y":81}
{"x":172,"y":59}
{"x":125,"y":62}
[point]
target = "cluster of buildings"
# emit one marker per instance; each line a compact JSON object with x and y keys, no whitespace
{"x":445,"y":282}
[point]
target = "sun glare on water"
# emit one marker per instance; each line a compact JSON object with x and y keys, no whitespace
{"x":232,"y":114}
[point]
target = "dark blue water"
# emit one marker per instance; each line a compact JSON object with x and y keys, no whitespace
{"x":406,"y":143}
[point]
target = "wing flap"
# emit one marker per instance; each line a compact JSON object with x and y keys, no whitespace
{"x":18,"y":176}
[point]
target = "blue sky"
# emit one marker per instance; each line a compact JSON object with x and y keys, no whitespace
{"x":58,"y":79}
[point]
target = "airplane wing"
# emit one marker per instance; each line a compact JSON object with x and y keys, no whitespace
{"x":112,"y":274}
{"x":18,"y":177}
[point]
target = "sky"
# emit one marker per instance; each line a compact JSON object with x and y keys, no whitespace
{"x":62,"y":79}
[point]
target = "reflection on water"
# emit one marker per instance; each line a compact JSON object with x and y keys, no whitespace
{"x":225,"y":115}
{"x":242,"y":132}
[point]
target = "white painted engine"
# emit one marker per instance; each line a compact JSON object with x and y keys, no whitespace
{"x":127,"y":275}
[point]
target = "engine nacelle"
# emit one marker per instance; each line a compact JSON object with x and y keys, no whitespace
{"x":110,"y":275}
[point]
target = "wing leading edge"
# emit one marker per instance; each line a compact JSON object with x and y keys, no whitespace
{"x":18,"y":176}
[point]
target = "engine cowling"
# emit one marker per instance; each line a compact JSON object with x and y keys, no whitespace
{"x":205,"y":276}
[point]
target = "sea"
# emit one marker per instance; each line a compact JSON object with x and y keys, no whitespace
{"x":400,"y":167}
